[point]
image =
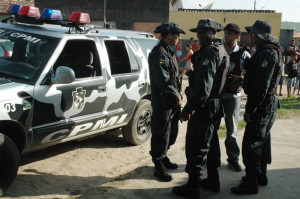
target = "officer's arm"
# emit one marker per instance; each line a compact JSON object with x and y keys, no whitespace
{"x":205,"y":70}
{"x":261,"y":80}
{"x":245,"y":55}
{"x":161,"y":75}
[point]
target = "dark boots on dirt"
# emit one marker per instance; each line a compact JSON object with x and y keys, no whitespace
{"x":212,"y":181}
{"x":190,"y":190}
{"x":262,"y":179}
{"x":161,"y":172}
{"x":247,"y":186}
{"x":168,"y":164}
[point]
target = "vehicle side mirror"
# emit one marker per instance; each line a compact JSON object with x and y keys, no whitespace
{"x":63,"y":75}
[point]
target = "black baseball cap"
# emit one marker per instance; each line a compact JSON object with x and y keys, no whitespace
{"x":232,"y":27}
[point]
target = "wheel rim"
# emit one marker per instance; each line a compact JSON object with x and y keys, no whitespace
{"x":144,"y":123}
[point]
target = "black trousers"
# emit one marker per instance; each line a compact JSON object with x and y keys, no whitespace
{"x":202,"y":146}
{"x":164,"y":132}
{"x":256,"y":147}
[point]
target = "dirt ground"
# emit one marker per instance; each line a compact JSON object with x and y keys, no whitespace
{"x":107,"y":167}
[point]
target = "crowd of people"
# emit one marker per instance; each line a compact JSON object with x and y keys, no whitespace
{"x":220,"y":69}
{"x":290,"y":63}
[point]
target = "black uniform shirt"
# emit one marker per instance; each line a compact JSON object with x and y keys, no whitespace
{"x":205,"y":66}
{"x":264,"y":65}
{"x":163,"y":73}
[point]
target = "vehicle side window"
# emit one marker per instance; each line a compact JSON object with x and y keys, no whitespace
{"x":118,"y":57}
{"x":133,"y":62}
{"x":82,"y":57}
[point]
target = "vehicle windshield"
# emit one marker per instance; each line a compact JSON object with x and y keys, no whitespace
{"x":22,"y":54}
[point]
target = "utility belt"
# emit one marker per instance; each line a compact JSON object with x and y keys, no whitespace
{"x":211,"y":109}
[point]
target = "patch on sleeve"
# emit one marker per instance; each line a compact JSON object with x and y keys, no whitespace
{"x":264,"y":64}
{"x":162,"y":61}
{"x":206,"y":62}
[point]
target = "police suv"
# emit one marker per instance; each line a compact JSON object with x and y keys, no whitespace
{"x":63,"y":81}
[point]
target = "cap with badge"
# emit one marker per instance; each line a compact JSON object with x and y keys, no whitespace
{"x":168,"y":27}
{"x":207,"y":24}
{"x":262,"y":29}
{"x":233,"y":28}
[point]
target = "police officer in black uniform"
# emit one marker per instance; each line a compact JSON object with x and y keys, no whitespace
{"x":260,"y":85}
{"x":165,"y":98}
{"x":204,"y":112}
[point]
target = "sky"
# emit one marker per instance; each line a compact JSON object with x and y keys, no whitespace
{"x":290,"y":9}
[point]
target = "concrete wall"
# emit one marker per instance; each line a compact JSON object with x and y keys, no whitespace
{"x":123,"y":12}
{"x":188,"y":19}
{"x":286,"y":36}
{"x":147,"y":27}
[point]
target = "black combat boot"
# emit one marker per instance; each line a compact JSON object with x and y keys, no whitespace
{"x":161,"y":172}
{"x":247,"y":186}
{"x":262,"y":179}
{"x":190,"y":190}
{"x":168,"y":164}
{"x":212,"y":182}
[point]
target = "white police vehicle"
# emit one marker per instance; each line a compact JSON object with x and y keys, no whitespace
{"x":62,"y":81}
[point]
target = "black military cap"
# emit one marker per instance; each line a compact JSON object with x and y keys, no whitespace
{"x":232,"y":27}
{"x":168,"y":27}
{"x":207,"y":24}
{"x":262,"y":29}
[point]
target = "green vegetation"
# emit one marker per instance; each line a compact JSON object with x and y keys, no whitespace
{"x":291,"y":25}
{"x":222,"y":130}
{"x":289,"y":108}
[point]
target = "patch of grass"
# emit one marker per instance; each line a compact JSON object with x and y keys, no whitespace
{"x":289,"y":107}
{"x":222,"y":130}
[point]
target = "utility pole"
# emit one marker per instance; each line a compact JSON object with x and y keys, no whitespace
{"x":254,"y":4}
{"x":104,"y":18}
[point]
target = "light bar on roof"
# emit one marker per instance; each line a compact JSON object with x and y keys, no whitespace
{"x":51,"y":14}
{"x":14,"y":8}
{"x":30,"y":11}
{"x":80,"y":17}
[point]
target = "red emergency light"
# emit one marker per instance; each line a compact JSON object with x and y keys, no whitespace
{"x":79,"y":17}
{"x":30,"y":11}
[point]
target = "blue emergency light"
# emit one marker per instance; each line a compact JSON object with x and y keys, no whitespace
{"x":50,"y":14}
{"x":14,"y":9}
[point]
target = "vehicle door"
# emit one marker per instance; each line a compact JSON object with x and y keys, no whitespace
{"x":125,"y":82}
{"x":68,"y":111}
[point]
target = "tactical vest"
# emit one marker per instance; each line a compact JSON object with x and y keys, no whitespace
{"x":234,"y":69}
{"x":222,"y":65}
{"x":248,"y":65}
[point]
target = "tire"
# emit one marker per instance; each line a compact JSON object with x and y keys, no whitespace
{"x":138,"y":130}
{"x":9,"y":162}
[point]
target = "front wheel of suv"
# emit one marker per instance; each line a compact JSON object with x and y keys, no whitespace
{"x":9,"y":162}
{"x":138,"y":130}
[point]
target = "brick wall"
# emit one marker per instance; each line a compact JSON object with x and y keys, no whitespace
{"x":146,"y":27}
{"x":5,"y":4}
{"x":123,"y":12}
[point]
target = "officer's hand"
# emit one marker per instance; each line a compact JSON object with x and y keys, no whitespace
{"x":237,"y":82}
{"x":247,"y":117}
{"x":185,"y":116}
{"x":179,"y":100}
